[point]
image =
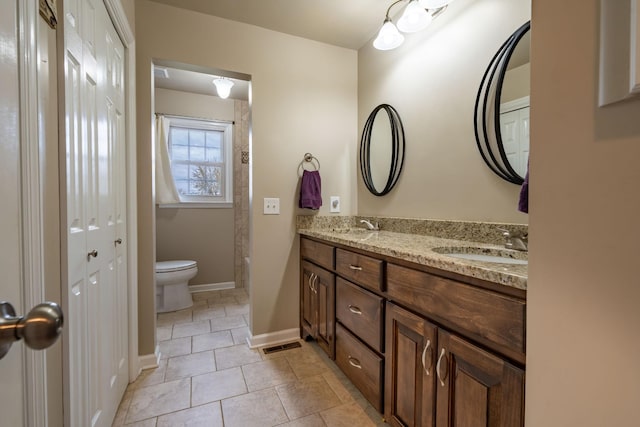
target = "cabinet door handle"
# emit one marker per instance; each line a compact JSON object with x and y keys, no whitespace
{"x":309,"y":282}
{"x":315,"y":283}
{"x":440,"y":376}
{"x":355,"y":362}
{"x":424,"y":354}
{"x":355,"y":267}
{"x":354,"y":309}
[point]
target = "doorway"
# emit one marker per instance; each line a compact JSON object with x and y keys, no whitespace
{"x":215,"y":235}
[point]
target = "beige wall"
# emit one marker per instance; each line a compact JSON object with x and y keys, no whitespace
{"x":304,"y":99}
{"x":583,"y":314}
{"x":203,"y":235}
{"x":432,"y":81}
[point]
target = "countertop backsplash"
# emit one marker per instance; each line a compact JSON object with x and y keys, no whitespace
{"x":481,"y":232}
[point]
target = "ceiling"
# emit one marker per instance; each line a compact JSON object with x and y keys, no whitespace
{"x":346,"y":23}
{"x":181,"y":78}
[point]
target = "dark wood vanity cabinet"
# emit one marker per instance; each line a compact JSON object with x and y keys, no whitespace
{"x":427,"y":350}
{"x":410,"y":395}
{"x":317,"y":295}
{"x":437,"y":379}
{"x":475,"y":387}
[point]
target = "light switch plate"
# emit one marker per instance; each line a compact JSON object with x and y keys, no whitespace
{"x":271,"y":206}
{"x":335,"y":204}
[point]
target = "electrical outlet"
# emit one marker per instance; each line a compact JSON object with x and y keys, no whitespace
{"x":271,"y":206}
{"x":335,"y":204}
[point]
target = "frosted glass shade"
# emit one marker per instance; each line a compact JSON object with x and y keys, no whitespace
{"x":223,"y":86}
{"x":434,"y":4}
{"x":389,"y":37}
{"x":414,"y":18}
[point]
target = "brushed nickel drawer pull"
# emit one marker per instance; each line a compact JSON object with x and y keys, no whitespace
{"x":354,"y":309}
{"x":424,"y":354}
{"x":355,"y":267}
{"x":441,"y":377}
{"x":355,"y":362}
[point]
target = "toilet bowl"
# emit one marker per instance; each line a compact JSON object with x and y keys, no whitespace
{"x":172,"y":284}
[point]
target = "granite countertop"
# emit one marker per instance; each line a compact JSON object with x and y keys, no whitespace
{"x":420,"y":250}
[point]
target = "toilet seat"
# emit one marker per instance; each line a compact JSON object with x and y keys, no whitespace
{"x":170,"y":266}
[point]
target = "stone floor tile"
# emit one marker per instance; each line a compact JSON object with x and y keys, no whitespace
{"x":206,"y":313}
{"x":190,"y":329}
{"x":174,"y":317}
{"x":240,"y":335}
{"x":209,"y":415}
{"x":314,"y":420}
{"x":163,"y":333}
{"x":306,"y":363}
{"x":211,"y":341}
{"x":228,"y":322}
{"x":159,"y":399}
{"x":175,"y":347}
{"x":236,"y":355}
{"x":217,"y":386}
{"x":307,"y":396}
{"x":150,"y":376}
{"x":257,"y":409}
{"x":190,"y":365}
{"x":236,"y":309}
{"x":268,"y":373}
{"x":348,"y":415}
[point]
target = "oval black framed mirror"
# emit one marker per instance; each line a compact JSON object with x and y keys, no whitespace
{"x":382,"y":148}
{"x":502,"y":125}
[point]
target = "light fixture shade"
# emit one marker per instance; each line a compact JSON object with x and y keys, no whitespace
{"x":414,"y":18}
{"x":389,"y":37}
{"x":434,"y":4}
{"x":223,"y":86}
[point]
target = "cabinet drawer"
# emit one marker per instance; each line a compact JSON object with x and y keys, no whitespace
{"x":319,"y":253}
{"x":362,"y":366}
{"x":361,"y":269}
{"x":361,"y":312}
{"x":489,"y":316}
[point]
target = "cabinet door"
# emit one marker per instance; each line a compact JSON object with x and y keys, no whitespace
{"x":308,"y":312}
{"x":476,"y":388}
{"x":410,"y":372}
{"x":324,"y":289}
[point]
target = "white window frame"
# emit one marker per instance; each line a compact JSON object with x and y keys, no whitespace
{"x":207,"y":201}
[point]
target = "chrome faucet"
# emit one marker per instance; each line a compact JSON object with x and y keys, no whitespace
{"x":369,"y":225}
{"x":515,"y":240}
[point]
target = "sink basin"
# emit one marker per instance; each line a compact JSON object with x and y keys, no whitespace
{"x":497,"y":256}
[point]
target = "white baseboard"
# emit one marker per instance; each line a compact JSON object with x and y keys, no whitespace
{"x":273,"y":338}
{"x":149,"y":361}
{"x":211,"y":287}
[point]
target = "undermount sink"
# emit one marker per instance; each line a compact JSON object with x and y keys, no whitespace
{"x":497,"y":256}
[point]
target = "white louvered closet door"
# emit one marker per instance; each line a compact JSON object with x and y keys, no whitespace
{"x":96,"y":285}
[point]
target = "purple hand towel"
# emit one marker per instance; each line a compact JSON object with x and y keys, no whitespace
{"x":310,"y":190}
{"x":523,"y":203}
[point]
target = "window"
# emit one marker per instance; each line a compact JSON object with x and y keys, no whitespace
{"x":200,"y":153}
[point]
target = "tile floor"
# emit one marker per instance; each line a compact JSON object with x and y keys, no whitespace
{"x":208,"y":376}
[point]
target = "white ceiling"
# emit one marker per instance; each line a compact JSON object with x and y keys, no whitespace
{"x":185,"y":80}
{"x":346,"y":23}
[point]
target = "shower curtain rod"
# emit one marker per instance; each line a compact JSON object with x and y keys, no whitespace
{"x":233,"y":122}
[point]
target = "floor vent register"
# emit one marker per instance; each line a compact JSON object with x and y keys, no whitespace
{"x":281,"y":347}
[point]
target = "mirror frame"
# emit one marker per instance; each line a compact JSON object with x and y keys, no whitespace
{"x":490,"y":92}
{"x":397,"y":147}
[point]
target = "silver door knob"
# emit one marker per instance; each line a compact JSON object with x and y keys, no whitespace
{"x":39,"y":329}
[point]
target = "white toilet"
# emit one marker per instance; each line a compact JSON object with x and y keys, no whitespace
{"x":172,"y":284}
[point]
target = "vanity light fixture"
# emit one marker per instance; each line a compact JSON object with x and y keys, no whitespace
{"x":417,"y":15}
{"x":223,"y":86}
